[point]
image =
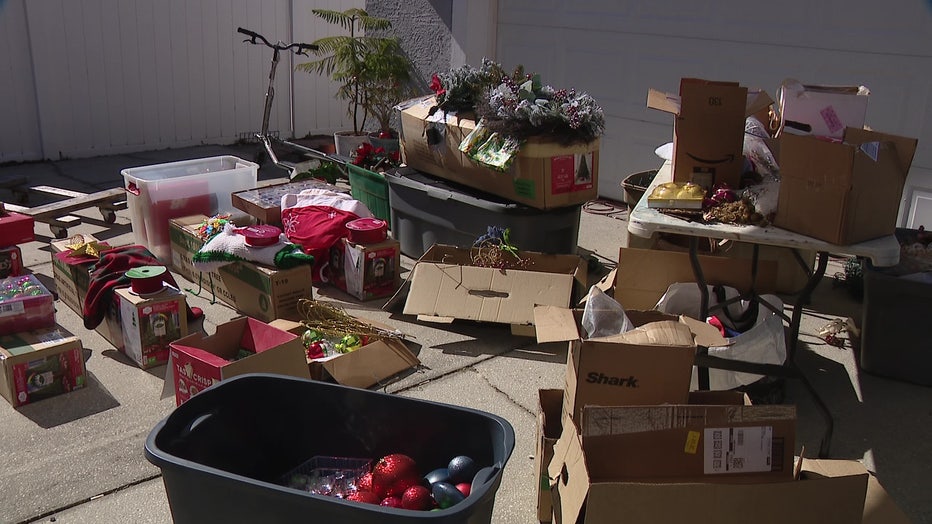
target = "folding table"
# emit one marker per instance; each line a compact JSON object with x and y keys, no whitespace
{"x":644,"y":221}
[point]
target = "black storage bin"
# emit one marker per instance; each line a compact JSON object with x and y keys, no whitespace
{"x":896,"y":327}
{"x":222,"y":452}
{"x":428,"y":211}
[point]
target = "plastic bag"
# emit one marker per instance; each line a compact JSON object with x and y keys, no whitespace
{"x":757,"y":151}
{"x":603,"y":316}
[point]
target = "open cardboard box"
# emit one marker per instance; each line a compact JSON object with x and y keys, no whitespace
{"x":446,"y":285}
{"x":821,"y":110}
{"x":197,"y":362}
{"x":650,"y":364}
{"x":367,"y":366}
{"x":843,"y":193}
{"x":545,"y":175}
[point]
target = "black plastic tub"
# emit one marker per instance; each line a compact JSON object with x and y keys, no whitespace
{"x":427,"y":211}
{"x":635,"y":185}
{"x":222,"y":452}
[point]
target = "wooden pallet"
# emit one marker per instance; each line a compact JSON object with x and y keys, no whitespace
{"x":58,"y":214}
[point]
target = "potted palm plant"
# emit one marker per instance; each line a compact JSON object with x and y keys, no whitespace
{"x":369,"y":71}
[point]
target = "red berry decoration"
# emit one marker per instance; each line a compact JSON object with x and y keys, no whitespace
{"x":391,"y":502}
{"x":367,"y":497}
{"x":393,"y":474}
{"x":416,"y":497}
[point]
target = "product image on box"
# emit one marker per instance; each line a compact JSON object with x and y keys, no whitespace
{"x":152,"y":314}
{"x":11,"y":261}
{"x":39,"y":364}
{"x":25,"y":304}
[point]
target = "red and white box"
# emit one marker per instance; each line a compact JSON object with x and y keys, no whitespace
{"x":25,"y":304}
{"x":15,"y":228}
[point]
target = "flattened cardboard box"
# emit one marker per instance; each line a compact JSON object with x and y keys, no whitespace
{"x":843,"y":193}
{"x":549,"y":428}
{"x":651,"y":364}
{"x":35,"y":365}
{"x":708,"y":129}
{"x":364,"y":367}
{"x":826,"y":492}
{"x":544,"y":175}
{"x":445,"y":284}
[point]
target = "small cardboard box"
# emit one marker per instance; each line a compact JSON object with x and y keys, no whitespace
{"x":265,"y":293}
{"x":549,"y":428}
{"x":242,"y":345}
{"x":708,"y":129}
{"x":446,"y":284}
{"x":365,"y":367}
{"x":650,"y":364}
{"x":544,"y":175}
{"x":265,"y":203}
{"x":821,"y":110}
{"x":150,"y":323}
{"x":40,"y":364}
{"x":826,"y":492}
{"x":15,"y":228}
{"x":366,"y":271}
{"x":843,"y":193}
{"x":25,"y":304}
{"x":184,"y":244}
{"x":685,"y":442}
{"x":11,"y":261}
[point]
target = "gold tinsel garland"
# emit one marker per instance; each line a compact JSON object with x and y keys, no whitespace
{"x":332,"y":321}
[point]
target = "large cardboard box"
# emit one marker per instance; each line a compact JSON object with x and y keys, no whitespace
{"x":826,"y":492}
{"x":545,"y":174}
{"x":257,"y":291}
{"x":650,"y":364}
{"x":821,"y":110}
{"x":708,"y":129}
{"x":151,"y":323}
{"x":366,"y":271}
{"x":380,"y":359}
{"x":242,"y":345}
{"x":40,"y":364}
{"x":446,"y":283}
{"x":843,"y":193}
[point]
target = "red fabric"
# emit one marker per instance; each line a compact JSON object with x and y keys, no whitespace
{"x":316,"y":229}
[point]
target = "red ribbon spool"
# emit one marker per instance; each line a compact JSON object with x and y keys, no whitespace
{"x":367,"y":230}
{"x":260,"y":235}
{"x":146,"y":280}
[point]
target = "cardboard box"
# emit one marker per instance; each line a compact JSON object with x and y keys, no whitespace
{"x":544,"y":175}
{"x":650,"y":364}
{"x":11,"y":261}
{"x":365,"y":367}
{"x":708,"y":130}
{"x":843,"y":193}
{"x":256,"y":291}
{"x":446,"y":284}
{"x":25,"y":304}
{"x":366,"y":271}
{"x":184,"y":244}
{"x":821,"y":110}
{"x":265,"y":203}
{"x":150,"y":323}
{"x":643,"y":275}
{"x":688,"y":443}
{"x":40,"y":364}
{"x":826,"y":492}
{"x":15,"y":228}
{"x":549,"y":428}
{"x":242,"y":345}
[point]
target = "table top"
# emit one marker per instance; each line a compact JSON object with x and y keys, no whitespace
{"x":644,"y":221}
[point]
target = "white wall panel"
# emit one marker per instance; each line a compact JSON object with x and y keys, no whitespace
{"x":19,"y":132}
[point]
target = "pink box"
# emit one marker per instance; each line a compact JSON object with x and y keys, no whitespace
{"x":16,"y":228}
{"x":25,"y":304}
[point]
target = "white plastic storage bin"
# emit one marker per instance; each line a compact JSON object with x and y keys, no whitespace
{"x":158,"y":193}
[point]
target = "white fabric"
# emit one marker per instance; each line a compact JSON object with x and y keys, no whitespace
{"x":326,"y":197}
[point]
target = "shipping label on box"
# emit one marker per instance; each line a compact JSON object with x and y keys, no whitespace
{"x":843,"y":193}
{"x":366,"y":271}
{"x":242,"y":345}
{"x":40,"y":364}
{"x":708,"y":130}
{"x":149,"y":323}
{"x":544,"y":175}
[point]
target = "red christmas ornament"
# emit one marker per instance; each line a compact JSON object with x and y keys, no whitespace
{"x":417,"y":498}
{"x":393,"y":474}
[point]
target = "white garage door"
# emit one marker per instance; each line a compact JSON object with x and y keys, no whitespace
{"x":617,"y":50}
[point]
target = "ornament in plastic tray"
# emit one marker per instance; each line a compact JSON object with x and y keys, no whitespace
{"x":676,"y":195}
{"x":25,"y":304}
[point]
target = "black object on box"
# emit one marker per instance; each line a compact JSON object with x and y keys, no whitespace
{"x":895,"y":328}
{"x":428,"y":211}
{"x":223,"y":451}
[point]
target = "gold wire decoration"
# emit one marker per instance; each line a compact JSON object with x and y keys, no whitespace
{"x":332,"y":321}
{"x":490,"y":254}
